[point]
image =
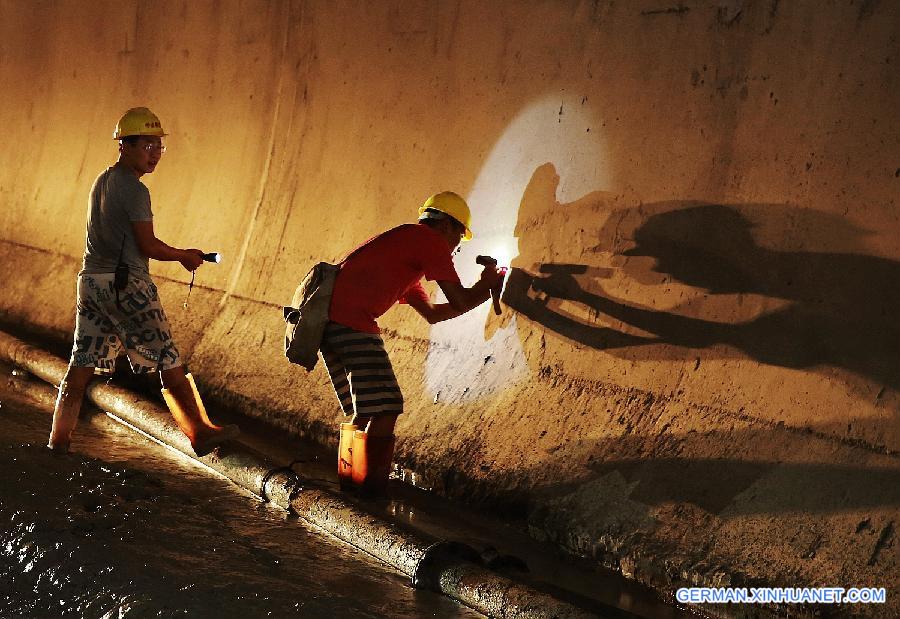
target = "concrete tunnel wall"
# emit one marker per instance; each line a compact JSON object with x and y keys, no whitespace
{"x":698,"y":200}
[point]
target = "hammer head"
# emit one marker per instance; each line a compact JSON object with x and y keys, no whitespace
{"x":486,"y":261}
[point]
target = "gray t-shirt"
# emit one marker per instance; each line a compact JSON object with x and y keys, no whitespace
{"x":117,"y":198}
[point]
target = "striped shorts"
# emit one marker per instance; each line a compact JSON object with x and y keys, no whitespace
{"x":361,"y":372}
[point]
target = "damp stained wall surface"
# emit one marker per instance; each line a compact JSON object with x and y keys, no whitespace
{"x":698,"y":201}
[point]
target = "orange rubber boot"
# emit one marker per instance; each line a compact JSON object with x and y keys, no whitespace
{"x":185,"y":410}
{"x":200,"y":407}
{"x":230,"y":428}
{"x":372,"y":457}
{"x":345,"y":455}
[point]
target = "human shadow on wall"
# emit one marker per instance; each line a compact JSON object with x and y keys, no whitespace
{"x":835,"y":309}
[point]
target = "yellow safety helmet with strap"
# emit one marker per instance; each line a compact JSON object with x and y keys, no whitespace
{"x":453,"y":205}
{"x":138,"y":121}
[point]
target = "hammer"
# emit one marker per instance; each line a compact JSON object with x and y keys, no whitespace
{"x":487,"y":261}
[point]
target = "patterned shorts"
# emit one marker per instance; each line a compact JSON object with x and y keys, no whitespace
{"x":361,"y":372}
{"x":137,"y":324}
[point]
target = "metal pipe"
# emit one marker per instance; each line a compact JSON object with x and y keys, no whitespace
{"x":447,"y":567}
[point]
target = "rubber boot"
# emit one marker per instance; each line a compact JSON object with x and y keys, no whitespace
{"x":65,"y":418}
{"x":345,"y":456}
{"x":372,"y":457}
{"x":203,"y":415}
{"x":183,"y":406}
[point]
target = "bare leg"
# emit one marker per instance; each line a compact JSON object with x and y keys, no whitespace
{"x":382,"y":425}
{"x":68,"y":406}
{"x":360,"y":421}
{"x":173,"y":377}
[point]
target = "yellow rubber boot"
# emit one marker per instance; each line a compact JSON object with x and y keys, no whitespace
{"x":372,"y":457}
{"x":183,"y":404}
{"x":345,"y":455}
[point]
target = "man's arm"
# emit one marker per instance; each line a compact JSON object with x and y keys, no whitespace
{"x":433,"y":312}
{"x":459,"y":298}
{"x":153,"y":248}
{"x":462,"y":299}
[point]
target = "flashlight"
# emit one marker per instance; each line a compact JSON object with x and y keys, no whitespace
{"x":487,"y":261}
{"x":212,"y":256}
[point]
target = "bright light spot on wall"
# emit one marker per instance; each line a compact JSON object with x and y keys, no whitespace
{"x":470,"y":357}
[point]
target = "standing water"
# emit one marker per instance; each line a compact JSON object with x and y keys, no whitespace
{"x":126,"y":528}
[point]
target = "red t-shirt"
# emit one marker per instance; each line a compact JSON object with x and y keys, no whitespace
{"x":387,"y":270}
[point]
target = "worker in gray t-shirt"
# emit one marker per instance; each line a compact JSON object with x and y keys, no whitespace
{"x":118,"y":198}
{"x":118,"y":307}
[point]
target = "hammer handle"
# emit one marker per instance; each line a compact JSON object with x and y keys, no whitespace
{"x":488,"y":261}
{"x":495,"y":297}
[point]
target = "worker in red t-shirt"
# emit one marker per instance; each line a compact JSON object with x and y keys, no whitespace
{"x":387,"y":269}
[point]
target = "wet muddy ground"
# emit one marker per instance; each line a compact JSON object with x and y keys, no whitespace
{"x":125,"y":528}
{"x":124,"y":497}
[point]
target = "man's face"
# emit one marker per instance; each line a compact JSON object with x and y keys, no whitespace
{"x":453,"y":231}
{"x":143,"y":155}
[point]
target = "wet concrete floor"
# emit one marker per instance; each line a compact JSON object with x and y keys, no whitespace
{"x":172,"y":538}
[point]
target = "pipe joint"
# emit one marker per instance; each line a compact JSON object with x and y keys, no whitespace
{"x":281,"y":479}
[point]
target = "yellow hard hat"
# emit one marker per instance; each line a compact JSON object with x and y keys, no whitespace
{"x":451,"y":204}
{"x":138,"y":121}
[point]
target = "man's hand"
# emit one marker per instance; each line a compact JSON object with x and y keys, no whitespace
{"x":191,"y":258}
{"x":153,"y":248}
{"x":491,"y":277}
